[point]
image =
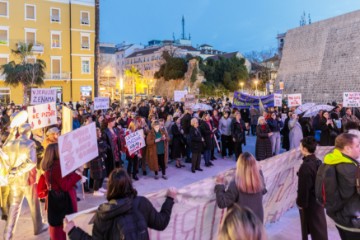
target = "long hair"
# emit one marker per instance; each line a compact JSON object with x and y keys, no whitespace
{"x":241,"y":223}
{"x":120,"y":185}
{"x":50,"y":156}
{"x":247,"y":174}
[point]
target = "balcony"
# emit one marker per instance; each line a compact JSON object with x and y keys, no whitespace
{"x":55,"y":18}
{"x":38,"y":48}
{"x":85,"y":21}
{"x":85,"y":46}
{"x":58,"y":76}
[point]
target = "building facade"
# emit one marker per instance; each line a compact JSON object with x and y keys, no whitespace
{"x":63,"y":34}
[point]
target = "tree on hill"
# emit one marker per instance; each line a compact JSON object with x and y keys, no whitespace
{"x":24,"y":73}
{"x":173,"y":68}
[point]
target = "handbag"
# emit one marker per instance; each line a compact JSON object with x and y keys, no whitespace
{"x":59,"y":204}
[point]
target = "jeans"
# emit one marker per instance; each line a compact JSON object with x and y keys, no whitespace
{"x":207,"y":156}
{"x":275,"y":142}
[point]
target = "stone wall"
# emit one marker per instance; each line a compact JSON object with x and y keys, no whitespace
{"x":322,"y":60}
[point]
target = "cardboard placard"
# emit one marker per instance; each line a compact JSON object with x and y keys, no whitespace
{"x":179,"y":96}
{"x":101,"y":103}
{"x":67,"y":120}
{"x":190,"y":100}
{"x":277,"y":100}
{"x":42,"y":115}
{"x":294,"y":100}
{"x":135,"y":141}
{"x":42,"y":95}
{"x":351,"y":99}
{"x":77,"y":148}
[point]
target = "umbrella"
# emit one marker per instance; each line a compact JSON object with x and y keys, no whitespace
{"x":304,"y":108}
{"x":315,"y":109}
{"x":201,"y":106}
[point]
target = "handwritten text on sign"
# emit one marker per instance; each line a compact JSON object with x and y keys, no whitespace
{"x":42,"y":115}
{"x":135,"y":141}
{"x":277,"y":100}
{"x":77,"y":148}
{"x":190,"y":100}
{"x":42,"y":95}
{"x":101,"y":103}
{"x":294,"y":100}
{"x":351,"y":99}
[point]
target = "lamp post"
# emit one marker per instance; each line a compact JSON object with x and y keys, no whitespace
{"x":256,"y":83}
{"x":242,"y":86}
{"x":108,"y":78}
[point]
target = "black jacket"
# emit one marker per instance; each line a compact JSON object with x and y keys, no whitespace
{"x":144,"y":112}
{"x":185,"y":123}
{"x":275,"y":125}
{"x":238,"y":131}
{"x":196,"y":140}
{"x":207,"y":135}
{"x":108,"y":212}
{"x":328,"y":133}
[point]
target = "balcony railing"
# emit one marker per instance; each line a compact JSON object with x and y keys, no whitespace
{"x":58,"y":76}
{"x":85,"y":21}
{"x":85,"y":46}
{"x":3,"y":42}
{"x":36,"y":48}
{"x":55,"y":18}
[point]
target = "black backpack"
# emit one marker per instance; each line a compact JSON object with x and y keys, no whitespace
{"x":130,"y":225}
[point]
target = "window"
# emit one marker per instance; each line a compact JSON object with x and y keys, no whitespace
{"x":84,"y":18}
{"x":30,"y":12}
{"x":55,"y":39}
{"x":4,"y":59}
{"x":85,"y":65}
{"x":30,"y":36}
{"x":4,"y":9}
{"x":31,"y":59}
{"x":4,"y":35}
{"x":55,"y":67}
{"x":85,"y":41}
{"x":4,"y":96}
{"x":55,"y":15}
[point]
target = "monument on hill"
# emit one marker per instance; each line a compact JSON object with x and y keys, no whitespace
{"x":322,"y":60}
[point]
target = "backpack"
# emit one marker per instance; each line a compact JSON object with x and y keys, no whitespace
{"x":130,"y":225}
{"x":326,"y":188}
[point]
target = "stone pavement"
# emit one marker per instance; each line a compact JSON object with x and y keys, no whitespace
{"x":287,"y":228}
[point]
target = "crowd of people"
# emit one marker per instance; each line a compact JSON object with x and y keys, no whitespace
{"x":184,"y":135}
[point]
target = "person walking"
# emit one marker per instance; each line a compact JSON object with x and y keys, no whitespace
{"x":263,"y":144}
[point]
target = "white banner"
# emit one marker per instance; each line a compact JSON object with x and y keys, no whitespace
{"x":101,"y":103}
{"x":42,"y":95}
{"x":277,"y":100}
{"x":179,"y":96}
{"x":294,"y":100}
{"x":135,"y":141}
{"x":190,"y":101}
{"x":67,"y":120}
{"x":42,"y":115}
{"x":77,"y":148}
{"x":351,"y":99}
{"x":195,"y":215}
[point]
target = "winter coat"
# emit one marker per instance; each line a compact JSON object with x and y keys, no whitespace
{"x":349,"y":118}
{"x":178,"y":142}
{"x":275,"y":125}
{"x":225,"y":126}
{"x":107,"y":136}
{"x":107,"y":213}
{"x":314,"y":214}
{"x":285,"y":133}
{"x":207,"y":134}
{"x":295,"y":134}
{"x":238,"y":131}
{"x":346,"y":169}
{"x":225,"y":199}
{"x":254,"y":115}
{"x":97,"y":165}
{"x":328,"y":133}
{"x":186,"y":123}
{"x":151,"y":151}
{"x":196,"y":140}
{"x":263,"y":148}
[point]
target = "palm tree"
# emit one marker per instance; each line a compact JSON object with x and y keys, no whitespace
{"x":134,"y":74}
{"x":97,"y":47}
{"x":26,"y":74}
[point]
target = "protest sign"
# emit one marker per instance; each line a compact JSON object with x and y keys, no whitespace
{"x":135,"y":141}
{"x":101,"y":103}
{"x":77,"y":148}
{"x":179,"y":96}
{"x":351,"y":99}
{"x":42,"y":95}
{"x":190,"y":100}
{"x":196,"y":215}
{"x":277,"y":100}
{"x":67,"y":120}
{"x":294,"y":100}
{"x":42,"y":115}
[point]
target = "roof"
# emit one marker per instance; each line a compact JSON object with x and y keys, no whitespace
{"x":205,"y":45}
{"x":225,"y":55}
{"x":142,"y":52}
{"x":107,"y":50}
{"x":188,"y":48}
{"x":275,"y":58}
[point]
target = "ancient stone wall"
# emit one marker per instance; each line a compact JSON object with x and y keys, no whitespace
{"x":322,"y":60}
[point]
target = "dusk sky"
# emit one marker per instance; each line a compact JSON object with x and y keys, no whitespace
{"x":228,"y":25}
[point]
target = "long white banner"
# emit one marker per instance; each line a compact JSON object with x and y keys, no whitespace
{"x":195,"y":214}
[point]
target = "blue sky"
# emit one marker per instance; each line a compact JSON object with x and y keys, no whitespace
{"x":228,"y":25}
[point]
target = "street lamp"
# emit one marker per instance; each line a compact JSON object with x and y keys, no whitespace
{"x":256,"y":83}
{"x":108,"y":77}
{"x":242,"y":86}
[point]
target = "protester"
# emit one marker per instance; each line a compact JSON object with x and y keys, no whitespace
{"x":263,"y":144}
{"x":185,"y":125}
{"x":246,"y":189}
{"x":226,"y":136}
{"x":207,"y":132}
{"x":156,"y":151}
{"x":197,"y":144}
{"x":178,"y":143}
{"x":312,"y":214}
{"x":329,"y":130}
{"x":285,"y":132}
{"x":275,"y":124}
{"x":295,"y":134}
{"x":119,"y":217}
{"x":111,"y":136}
{"x":132,"y":167}
{"x":241,"y":223}
{"x":349,"y":117}
{"x":238,"y":134}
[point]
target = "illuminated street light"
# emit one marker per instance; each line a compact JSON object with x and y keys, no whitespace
{"x":242,"y":86}
{"x":256,"y":83}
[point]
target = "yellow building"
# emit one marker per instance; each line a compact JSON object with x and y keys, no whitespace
{"x":63,"y":34}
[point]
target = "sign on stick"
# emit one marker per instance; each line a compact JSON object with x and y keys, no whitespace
{"x":42,"y":95}
{"x":294,"y":100}
{"x":179,"y":96}
{"x":351,"y":99}
{"x":135,"y":141}
{"x":101,"y":103}
{"x":42,"y":115}
{"x":277,"y":100}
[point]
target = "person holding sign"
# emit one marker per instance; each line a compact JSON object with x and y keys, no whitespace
{"x":111,"y":135}
{"x":157,"y":142}
{"x":133,"y":158}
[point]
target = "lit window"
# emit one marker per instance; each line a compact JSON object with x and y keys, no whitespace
{"x":85,"y":41}
{"x":30,"y":12}
{"x":55,"y":40}
{"x":4,"y":9}
{"x":85,"y":18}
{"x":85,"y":66}
{"x":4,"y":36}
{"x":55,"y":15}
